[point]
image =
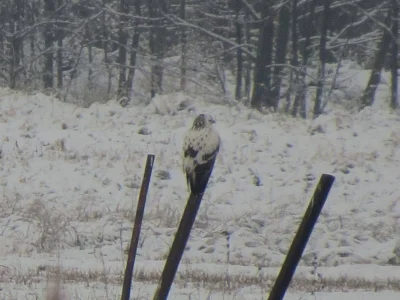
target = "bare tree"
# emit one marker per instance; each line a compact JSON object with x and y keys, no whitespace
{"x":122,"y":42}
{"x":395,"y":54}
{"x":157,"y":9}
{"x":239,"y":52}
{"x":281,"y":42}
{"x":134,"y":48}
{"x":294,"y":55}
{"x":322,"y":58}
{"x":60,"y":38}
{"x":31,"y":16}
{"x":248,"y":61}
{"x":48,"y":34}
{"x":15,"y":42}
{"x":182,"y":15}
{"x":106,"y":45}
{"x":368,"y":96}
{"x":262,"y":72}
{"x":56,"y":40}
{"x":88,"y":44}
{"x":299,"y":104}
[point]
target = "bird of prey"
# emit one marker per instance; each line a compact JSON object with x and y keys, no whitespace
{"x":200,"y":148}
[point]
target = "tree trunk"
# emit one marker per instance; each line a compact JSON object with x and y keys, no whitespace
{"x":247,"y":76}
{"x":157,"y":40}
{"x":60,"y":38}
{"x":32,"y":51}
{"x":48,"y":76}
{"x":20,"y":41}
{"x":300,"y":103}
{"x":59,"y":62}
{"x":294,"y":61}
{"x":12,"y":53}
{"x":15,"y":43}
{"x":368,"y":96}
{"x":90,"y":71}
{"x":322,"y":58}
{"x":106,"y":45}
{"x":395,"y":52}
{"x":262,"y":72}
{"x":152,"y":7}
{"x":134,"y":48}
{"x":3,"y":21}
{"x":183,"y":67}
{"x":161,"y":36}
{"x":280,"y":54}
{"x":239,"y":54}
{"x":122,"y":43}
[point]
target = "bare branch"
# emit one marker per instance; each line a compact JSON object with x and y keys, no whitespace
{"x":179,"y":22}
{"x":251,"y":10}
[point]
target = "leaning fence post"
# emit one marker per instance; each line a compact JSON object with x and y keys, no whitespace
{"x":178,"y":246}
{"x":126,"y":287}
{"x":301,"y":238}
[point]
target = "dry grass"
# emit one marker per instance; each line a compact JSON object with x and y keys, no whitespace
{"x":55,"y":277}
{"x":54,"y":289}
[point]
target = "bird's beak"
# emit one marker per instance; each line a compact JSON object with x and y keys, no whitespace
{"x":212,"y":121}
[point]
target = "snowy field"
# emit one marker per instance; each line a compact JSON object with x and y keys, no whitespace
{"x":70,"y":178}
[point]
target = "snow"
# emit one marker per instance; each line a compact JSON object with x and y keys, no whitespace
{"x":70,"y":178}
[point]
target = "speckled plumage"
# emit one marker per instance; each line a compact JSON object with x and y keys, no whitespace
{"x":200,"y":149}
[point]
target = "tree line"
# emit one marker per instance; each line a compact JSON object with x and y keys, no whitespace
{"x":266,"y":49}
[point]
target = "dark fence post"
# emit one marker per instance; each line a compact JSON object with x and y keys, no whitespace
{"x":178,"y":246}
{"x":126,"y":287}
{"x":301,"y":238}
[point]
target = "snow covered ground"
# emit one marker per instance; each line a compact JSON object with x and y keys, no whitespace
{"x":70,"y":178}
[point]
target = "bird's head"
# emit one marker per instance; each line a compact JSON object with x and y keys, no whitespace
{"x":203,"y":121}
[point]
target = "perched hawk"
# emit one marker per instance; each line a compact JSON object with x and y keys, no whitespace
{"x":200,"y":149}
